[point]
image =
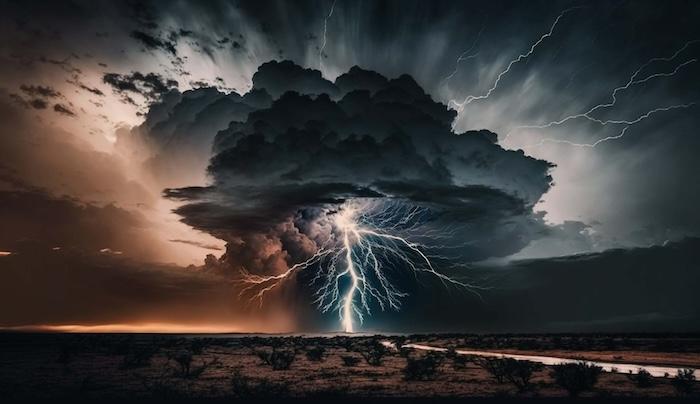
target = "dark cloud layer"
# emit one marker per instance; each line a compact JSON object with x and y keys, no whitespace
{"x":152,"y":86}
{"x":280,"y":172}
{"x":623,"y":290}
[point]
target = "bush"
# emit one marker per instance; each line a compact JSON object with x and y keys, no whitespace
{"x":519,"y":373}
{"x":185,"y":368}
{"x":350,"y":360}
{"x":642,"y":379}
{"x":494,"y":366}
{"x":425,"y":368}
{"x":278,"y":359}
{"x":374,"y":353}
{"x":315,"y":354}
{"x":683,"y":382}
{"x":576,"y":378}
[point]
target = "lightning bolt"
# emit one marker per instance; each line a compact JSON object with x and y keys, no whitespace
{"x":466,"y":55}
{"x":325,"y":31}
{"x":618,"y":122}
{"x":470,"y":98}
{"x":355,"y":264}
{"x":632,"y":81}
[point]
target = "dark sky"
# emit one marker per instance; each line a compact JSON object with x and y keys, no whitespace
{"x":542,"y":155}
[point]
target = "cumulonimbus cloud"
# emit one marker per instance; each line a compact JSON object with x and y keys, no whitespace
{"x":289,"y":163}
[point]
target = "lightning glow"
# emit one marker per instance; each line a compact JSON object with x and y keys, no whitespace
{"x":633,"y":80}
{"x":356,"y":266}
{"x":325,"y":34}
{"x":466,"y":55}
{"x":470,"y":98}
{"x":622,"y":133}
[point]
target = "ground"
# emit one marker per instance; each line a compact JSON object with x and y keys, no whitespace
{"x":115,"y":366}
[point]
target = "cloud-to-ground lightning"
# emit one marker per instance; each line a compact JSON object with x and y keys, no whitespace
{"x":354,"y":268}
{"x":325,"y":34}
{"x":633,"y":80}
{"x":470,"y":98}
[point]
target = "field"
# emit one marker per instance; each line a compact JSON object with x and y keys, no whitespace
{"x":120,"y":366}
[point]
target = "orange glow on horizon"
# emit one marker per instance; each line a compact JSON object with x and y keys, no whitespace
{"x":148,"y":328}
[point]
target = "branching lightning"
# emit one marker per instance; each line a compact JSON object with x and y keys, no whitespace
{"x":470,"y":98}
{"x":325,"y":32}
{"x":632,"y":81}
{"x":355,"y":266}
{"x":627,"y":124}
{"x":466,"y":55}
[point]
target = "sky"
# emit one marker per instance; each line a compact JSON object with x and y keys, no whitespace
{"x":397,"y":166}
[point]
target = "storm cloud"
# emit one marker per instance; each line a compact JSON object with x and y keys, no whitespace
{"x":279,"y":174}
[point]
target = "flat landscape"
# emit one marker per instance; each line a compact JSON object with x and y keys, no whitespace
{"x":119,"y":366}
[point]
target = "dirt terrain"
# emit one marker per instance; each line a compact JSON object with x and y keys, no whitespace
{"x":119,"y":366}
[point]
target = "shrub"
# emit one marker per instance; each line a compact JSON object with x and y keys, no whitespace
{"x":399,"y":341}
{"x":576,"y":378}
{"x":350,"y":360}
{"x":642,"y":379}
{"x":494,"y":366}
{"x":683,"y":382}
{"x":185,"y":368}
{"x":315,"y":354}
{"x":278,"y":359}
{"x":425,"y":368}
{"x":519,"y":373}
{"x":374,"y":353}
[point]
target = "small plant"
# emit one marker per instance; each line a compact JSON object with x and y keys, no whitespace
{"x":185,"y":368}
{"x":576,"y":378}
{"x":519,"y":373}
{"x":493,"y":366}
{"x":425,"y":368}
{"x":350,"y":361}
{"x":683,"y":382}
{"x":374,"y":353}
{"x":278,"y":359}
{"x":642,"y":379}
{"x":315,"y":354}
